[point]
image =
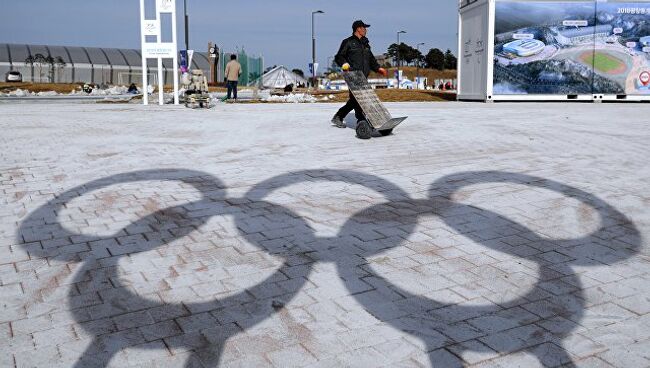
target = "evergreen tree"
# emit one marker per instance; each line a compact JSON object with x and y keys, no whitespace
{"x":435,"y":59}
{"x":412,"y":55}
{"x":403,"y":52}
{"x":451,"y":62}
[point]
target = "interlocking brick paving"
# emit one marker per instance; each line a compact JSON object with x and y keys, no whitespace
{"x":478,"y":235}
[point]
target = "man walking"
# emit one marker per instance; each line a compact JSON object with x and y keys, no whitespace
{"x":233,"y":71}
{"x":355,"y":54}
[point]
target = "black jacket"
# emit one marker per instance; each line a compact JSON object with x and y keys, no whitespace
{"x":356,"y":52}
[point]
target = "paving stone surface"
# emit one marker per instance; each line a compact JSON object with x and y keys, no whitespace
{"x":478,"y":235}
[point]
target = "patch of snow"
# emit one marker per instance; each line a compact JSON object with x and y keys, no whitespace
{"x":292,"y":98}
{"x":48,"y":93}
{"x":18,"y":93}
{"x":112,"y":91}
{"x":327,"y":98}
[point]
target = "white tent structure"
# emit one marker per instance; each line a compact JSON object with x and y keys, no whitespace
{"x":280,"y":77}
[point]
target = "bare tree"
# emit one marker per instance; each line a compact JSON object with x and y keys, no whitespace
{"x":49,"y":60}
{"x":40,"y":60}
{"x":60,"y":66}
{"x":30,"y":60}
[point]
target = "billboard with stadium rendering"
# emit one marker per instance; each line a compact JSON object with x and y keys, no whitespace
{"x":571,"y":47}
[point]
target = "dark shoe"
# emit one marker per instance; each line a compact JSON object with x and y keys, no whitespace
{"x":338,"y":122}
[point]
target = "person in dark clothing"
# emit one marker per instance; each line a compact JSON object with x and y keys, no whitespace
{"x":133,"y":89}
{"x":355,"y":54}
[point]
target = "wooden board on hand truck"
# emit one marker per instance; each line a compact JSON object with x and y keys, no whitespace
{"x":377,"y":116}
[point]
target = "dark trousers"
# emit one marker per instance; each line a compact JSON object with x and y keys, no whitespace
{"x":232,"y":89}
{"x":352,"y":104}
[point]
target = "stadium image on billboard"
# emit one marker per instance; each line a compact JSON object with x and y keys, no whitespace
{"x":571,"y":47}
{"x":524,"y":48}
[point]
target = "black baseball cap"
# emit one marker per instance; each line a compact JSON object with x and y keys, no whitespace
{"x":359,"y":23}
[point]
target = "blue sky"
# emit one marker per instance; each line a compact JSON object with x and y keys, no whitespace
{"x":280,"y":30}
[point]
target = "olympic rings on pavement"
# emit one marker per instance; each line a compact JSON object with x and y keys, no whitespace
{"x":360,"y":237}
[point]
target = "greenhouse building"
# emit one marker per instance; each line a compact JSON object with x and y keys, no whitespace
{"x":110,"y":66}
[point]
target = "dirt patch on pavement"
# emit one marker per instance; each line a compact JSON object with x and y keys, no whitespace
{"x":96,"y":156}
{"x":40,"y":87}
{"x":393,"y":95}
{"x":59,"y":178}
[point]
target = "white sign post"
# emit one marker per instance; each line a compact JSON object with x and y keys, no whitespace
{"x":158,"y":50}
